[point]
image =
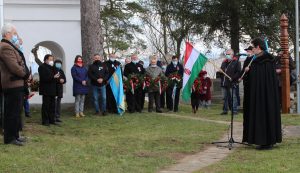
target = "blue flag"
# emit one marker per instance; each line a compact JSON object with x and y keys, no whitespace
{"x":116,"y":84}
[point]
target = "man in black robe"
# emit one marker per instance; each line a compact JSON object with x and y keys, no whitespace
{"x":134,"y":99}
{"x":112,"y":64}
{"x":264,"y":124}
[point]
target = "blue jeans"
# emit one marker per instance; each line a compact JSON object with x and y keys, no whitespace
{"x":26,"y":107}
{"x":227,"y":99}
{"x":102,"y":92}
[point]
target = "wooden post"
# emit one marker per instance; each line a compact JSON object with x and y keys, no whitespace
{"x":285,"y":72}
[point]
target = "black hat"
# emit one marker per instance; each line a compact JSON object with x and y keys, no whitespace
{"x":249,"y":48}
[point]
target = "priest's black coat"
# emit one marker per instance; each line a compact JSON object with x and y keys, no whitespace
{"x":264,"y":121}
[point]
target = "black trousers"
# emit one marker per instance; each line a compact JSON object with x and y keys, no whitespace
{"x":154,"y":97}
{"x":48,"y":110}
{"x":195,"y":100}
{"x":1,"y":111}
{"x":170,"y":104}
{"x":134,"y":100}
{"x":111,"y":104}
{"x":143,"y":100}
{"x":12,"y":115}
{"x":163,"y":99}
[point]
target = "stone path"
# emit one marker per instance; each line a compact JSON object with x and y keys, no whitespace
{"x":214,"y":153}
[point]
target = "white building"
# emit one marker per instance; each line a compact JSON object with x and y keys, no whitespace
{"x":53,"y":24}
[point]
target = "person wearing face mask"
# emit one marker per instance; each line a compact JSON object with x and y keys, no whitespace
{"x":153,"y":71}
{"x":134,"y":99}
{"x":47,"y":88}
{"x":112,"y":64}
{"x":263,"y":126}
{"x":173,"y":68}
{"x":59,"y":88}
{"x":98,"y":73}
{"x":80,"y":88}
{"x":13,"y":72}
{"x":232,"y":67}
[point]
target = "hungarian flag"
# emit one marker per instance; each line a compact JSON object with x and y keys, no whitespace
{"x":194,"y":61}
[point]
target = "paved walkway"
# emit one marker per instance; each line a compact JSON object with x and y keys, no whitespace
{"x":214,"y":153}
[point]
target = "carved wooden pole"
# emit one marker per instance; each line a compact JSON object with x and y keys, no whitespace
{"x":285,"y":72}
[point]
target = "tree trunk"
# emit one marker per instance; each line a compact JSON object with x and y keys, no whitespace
{"x":91,"y":36}
{"x":235,"y":27}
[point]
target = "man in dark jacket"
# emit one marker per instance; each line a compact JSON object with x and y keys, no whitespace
{"x":134,"y":99}
{"x":13,"y":73}
{"x":232,"y":67}
{"x":112,"y":64}
{"x":174,"y":68}
{"x":47,"y":89}
{"x":98,"y":74}
{"x":59,"y":88}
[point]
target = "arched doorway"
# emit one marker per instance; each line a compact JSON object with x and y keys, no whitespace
{"x":46,"y":47}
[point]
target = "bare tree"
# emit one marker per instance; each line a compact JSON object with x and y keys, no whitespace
{"x":91,"y":36}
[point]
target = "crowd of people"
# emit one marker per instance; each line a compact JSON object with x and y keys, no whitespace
{"x":162,"y":82}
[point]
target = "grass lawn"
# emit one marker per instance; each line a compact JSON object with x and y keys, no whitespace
{"x":131,"y":143}
{"x":283,"y":158}
{"x":213,"y":113}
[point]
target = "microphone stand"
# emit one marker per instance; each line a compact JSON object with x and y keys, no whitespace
{"x":231,"y":141}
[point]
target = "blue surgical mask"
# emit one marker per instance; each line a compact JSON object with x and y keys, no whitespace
{"x":174,"y":62}
{"x":21,"y":48}
{"x":135,"y":62}
{"x":228,"y":57}
{"x":14,"y":39}
{"x":58,"y":65}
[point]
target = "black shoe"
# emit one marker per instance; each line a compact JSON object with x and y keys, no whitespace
{"x":16,"y":142}
{"x":104,"y":113}
{"x":158,"y":111}
{"x":58,"y":120}
{"x":22,"y":139}
{"x":45,"y":124}
{"x":235,"y":113}
{"x":223,"y":113}
{"x":54,"y":123}
{"x":27,"y":115}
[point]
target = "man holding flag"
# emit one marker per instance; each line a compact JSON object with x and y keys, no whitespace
{"x":232,"y":67}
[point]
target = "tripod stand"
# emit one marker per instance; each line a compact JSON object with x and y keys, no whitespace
{"x":231,"y":140}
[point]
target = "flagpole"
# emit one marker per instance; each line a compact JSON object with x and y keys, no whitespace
{"x":218,"y":68}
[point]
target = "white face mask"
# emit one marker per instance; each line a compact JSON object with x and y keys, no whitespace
{"x":112,"y":59}
{"x":51,"y":63}
{"x":153,"y":65}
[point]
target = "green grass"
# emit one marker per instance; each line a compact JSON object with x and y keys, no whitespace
{"x":131,"y":143}
{"x":283,"y":158}
{"x":213,"y":113}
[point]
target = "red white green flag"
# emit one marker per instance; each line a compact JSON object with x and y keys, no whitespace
{"x":194,"y":61}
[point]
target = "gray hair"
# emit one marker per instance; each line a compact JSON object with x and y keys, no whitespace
{"x":8,"y":27}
